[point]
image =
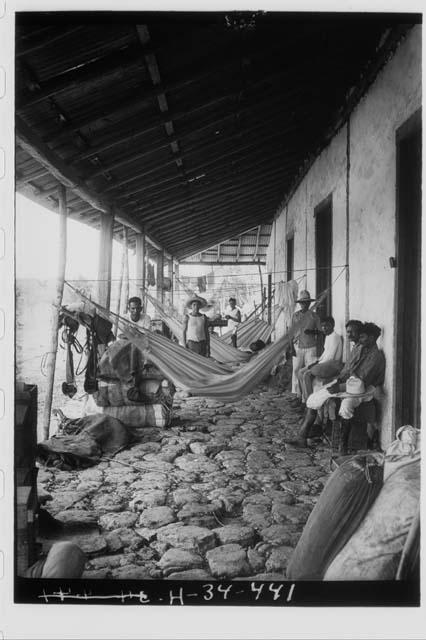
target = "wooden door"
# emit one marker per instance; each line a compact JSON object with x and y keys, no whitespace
{"x":408,"y":275}
{"x":323,"y":253}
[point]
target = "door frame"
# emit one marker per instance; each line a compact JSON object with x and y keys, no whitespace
{"x":410,"y":126}
{"x":319,"y":208}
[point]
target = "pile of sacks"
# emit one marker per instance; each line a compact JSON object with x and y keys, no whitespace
{"x":131,"y":390}
{"x":366,"y":523}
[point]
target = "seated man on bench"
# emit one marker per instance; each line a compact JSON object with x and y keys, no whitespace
{"x":328,"y":366}
{"x":367,"y":363}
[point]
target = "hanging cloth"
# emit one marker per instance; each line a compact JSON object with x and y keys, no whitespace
{"x":201,"y":283}
{"x":150,"y":276}
{"x":286,"y":296}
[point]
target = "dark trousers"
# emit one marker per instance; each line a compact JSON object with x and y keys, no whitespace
{"x":197,"y":347}
{"x":234,"y":340}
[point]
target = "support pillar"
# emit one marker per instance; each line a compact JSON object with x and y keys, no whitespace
{"x":140,"y":265}
{"x":53,"y":347}
{"x":269,"y":298}
{"x":160,"y":276}
{"x":105,"y":260}
{"x":170,"y":276}
{"x":176,"y":287}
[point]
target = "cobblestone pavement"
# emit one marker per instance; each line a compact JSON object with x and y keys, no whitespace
{"x":217,"y":495}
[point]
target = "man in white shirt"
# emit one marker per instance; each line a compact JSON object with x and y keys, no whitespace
{"x":329,"y":364}
{"x":233,"y":315}
{"x":136,"y":314}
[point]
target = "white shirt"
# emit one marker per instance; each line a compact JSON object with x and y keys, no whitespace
{"x":144,"y":321}
{"x":233,"y":313}
{"x":333,"y":348}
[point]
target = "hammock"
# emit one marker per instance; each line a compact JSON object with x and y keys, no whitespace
{"x":250,"y":331}
{"x":219,"y":350}
{"x":195,"y":373}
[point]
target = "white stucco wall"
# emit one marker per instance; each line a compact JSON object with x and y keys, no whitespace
{"x":390,"y":101}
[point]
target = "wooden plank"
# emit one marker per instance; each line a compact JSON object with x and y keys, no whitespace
{"x":53,"y":338}
{"x":170,"y":213}
{"x":260,"y":145}
{"x":104,"y":264}
{"x":111,"y":64}
{"x":248,"y":215}
{"x":216,"y":175}
{"x":46,"y":42}
{"x":210,"y":215}
{"x":263,"y":132}
{"x":274,"y":120}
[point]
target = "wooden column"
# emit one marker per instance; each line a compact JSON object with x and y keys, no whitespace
{"x":170,"y":276}
{"x":269,"y":298}
{"x":105,"y":259}
{"x":176,"y":287}
{"x":53,"y":347}
{"x":120,"y":283}
{"x":140,"y":264}
{"x":125,"y":286}
{"x":348,"y":175}
{"x":160,"y":276}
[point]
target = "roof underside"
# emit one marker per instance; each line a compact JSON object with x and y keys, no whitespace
{"x":193,"y":127}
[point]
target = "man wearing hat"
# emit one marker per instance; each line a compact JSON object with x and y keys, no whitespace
{"x":308,"y":325}
{"x":356,"y":383}
{"x":233,"y":315}
{"x":196,"y":335}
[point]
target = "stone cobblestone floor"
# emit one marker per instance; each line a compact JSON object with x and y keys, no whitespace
{"x":218,"y":495}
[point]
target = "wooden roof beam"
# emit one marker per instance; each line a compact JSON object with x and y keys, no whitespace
{"x":214,"y":176}
{"x":219,"y":213}
{"x":202,"y":144}
{"x":111,"y":64}
{"x":191,"y":249}
{"x":68,"y":177}
{"x":229,"y":190}
{"x":46,"y":42}
{"x":154,"y":72}
{"x":231,"y":152}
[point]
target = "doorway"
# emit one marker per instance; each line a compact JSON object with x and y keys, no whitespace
{"x":408,"y":274}
{"x":323,"y":253}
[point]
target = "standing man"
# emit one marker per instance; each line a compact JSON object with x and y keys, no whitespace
{"x":308,"y":325}
{"x":196,"y":336}
{"x":329,"y":364}
{"x":136,"y":315}
{"x":233,"y":315}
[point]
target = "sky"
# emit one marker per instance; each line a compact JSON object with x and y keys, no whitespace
{"x":37,"y":234}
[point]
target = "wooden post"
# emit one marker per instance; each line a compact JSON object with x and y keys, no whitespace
{"x":160,"y":276}
{"x":51,"y":355}
{"x":261,"y":288}
{"x":120,"y":284}
{"x":105,"y":259}
{"x":140,"y":262}
{"x":348,"y":175}
{"x":125,"y":287}
{"x":176,"y":287}
{"x":144,"y":267}
{"x":269,"y":298}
